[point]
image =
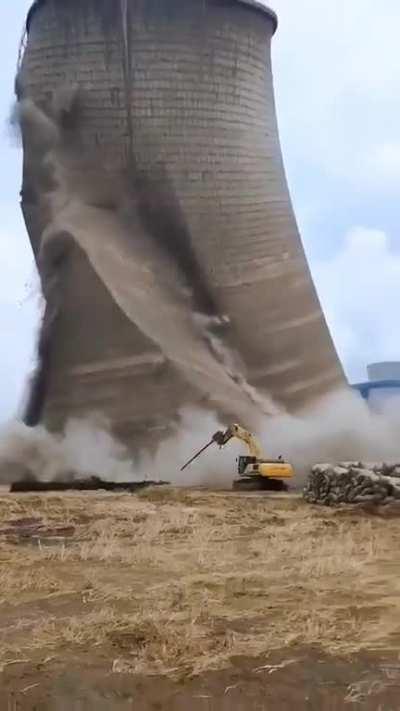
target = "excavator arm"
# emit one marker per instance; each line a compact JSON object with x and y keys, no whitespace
{"x":222,"y":438}
{"x":238,"y":432}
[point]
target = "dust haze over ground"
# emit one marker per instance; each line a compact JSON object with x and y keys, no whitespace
{"x":86,"y":448}
{"x":340,"y":428}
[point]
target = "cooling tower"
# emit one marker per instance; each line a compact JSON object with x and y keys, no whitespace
{"x":158,"y":211}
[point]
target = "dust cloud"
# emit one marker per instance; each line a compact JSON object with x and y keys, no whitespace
{"x":338,"y":428}
{"x":86,"y":448}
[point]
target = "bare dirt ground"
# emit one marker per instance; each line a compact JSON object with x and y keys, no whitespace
{"x":180,"y":599}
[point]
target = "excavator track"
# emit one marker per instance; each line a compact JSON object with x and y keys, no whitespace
{"x":259,"y":483}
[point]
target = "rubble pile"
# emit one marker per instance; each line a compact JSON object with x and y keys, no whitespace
{"x":353,"y":483}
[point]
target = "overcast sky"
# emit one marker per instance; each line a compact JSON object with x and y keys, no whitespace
{"x":337,"y":81}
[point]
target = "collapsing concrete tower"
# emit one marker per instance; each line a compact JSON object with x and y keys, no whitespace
{"x":157,"y":207}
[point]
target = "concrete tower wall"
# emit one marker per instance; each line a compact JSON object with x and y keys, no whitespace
{"x":172,"y":102}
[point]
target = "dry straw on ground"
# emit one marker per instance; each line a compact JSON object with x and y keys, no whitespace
{"x":176,"y":581}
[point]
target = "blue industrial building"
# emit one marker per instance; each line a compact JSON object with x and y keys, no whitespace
{"x":382,"y":386}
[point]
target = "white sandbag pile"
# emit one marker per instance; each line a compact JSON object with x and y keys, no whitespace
{"x":353,"y":483}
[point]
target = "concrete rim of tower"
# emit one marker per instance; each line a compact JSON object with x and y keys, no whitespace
{"x":255,"y":4}
{"x":259,"y":5}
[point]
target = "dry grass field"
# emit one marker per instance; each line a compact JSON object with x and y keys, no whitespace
{"x":180,"y":584}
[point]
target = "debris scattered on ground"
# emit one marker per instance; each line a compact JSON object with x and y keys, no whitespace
{"x":90,"y":484}
{"x":34,"y":529}
{"x":353,"y":483}
{"x":272,"y":668}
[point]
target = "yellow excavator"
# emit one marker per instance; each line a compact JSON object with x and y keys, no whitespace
{"x":255,"y":471}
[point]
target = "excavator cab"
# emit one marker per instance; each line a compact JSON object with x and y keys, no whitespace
{"x":244,"y":463}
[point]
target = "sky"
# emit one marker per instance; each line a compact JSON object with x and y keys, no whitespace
{"x":337,"y":82}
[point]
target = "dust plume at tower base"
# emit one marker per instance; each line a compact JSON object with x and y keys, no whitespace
{"x":339,"y":428}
